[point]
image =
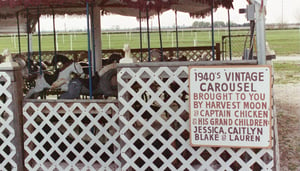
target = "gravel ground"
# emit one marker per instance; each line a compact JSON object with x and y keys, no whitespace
{"x":287,"y":101}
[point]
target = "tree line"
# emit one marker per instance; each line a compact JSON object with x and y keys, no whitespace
{"x":219,"y":24}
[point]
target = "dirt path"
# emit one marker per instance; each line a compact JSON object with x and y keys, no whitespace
{"x":287,"y":101}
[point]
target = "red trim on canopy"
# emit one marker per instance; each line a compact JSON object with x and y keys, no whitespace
{"x":9,"y":3}
{"x":35,"y":3}
{"x":197,"y":8}
{"x":157,"y":5}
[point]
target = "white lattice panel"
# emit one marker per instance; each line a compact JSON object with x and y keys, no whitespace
{"x":7,"y":133}
{"x":71,"y":136}
{"x":154,"y":120}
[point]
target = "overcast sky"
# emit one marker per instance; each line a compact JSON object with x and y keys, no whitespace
{"x":278,"y":11}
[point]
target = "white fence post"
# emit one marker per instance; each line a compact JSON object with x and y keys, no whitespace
{"x":11,"y":128}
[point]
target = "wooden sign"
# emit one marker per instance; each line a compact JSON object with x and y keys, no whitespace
{"x":230,"y":106}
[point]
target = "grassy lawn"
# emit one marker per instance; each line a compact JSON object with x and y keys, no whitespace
{"x":287,"y":72}
{"x":284,"y":42}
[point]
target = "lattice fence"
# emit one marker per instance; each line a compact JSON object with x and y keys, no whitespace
{"x":80,"y":135}
{"x":147,"y":130}
{"x":7,"y":133}
{"x":170,"y":54}
{"x":201,"y":53}
{"x":154,"y":120}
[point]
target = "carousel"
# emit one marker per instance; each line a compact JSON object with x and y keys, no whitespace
{"x":24,"y":17}
{"x":149,"y":114}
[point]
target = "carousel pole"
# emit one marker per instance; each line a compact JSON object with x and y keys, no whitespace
{"x":54,"y":39}
{"x":229,"y":35}
{"x":148,"y":34}
{"x":19,"y":35}
{"x":141,"y":36}
{"x":160,"y":38}
{"x":176,"y":28}
{"x":28,"y":40}
{"x":89,"y":50}
{"x":212,"y":31}
{"x":39,"y":40}
{"x":93,"y":38}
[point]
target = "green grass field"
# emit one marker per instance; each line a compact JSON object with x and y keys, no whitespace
{"x":284,"y":42}
{"x":287,"y":72}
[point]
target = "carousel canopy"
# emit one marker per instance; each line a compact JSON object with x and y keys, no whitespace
{"x":32,"y":9}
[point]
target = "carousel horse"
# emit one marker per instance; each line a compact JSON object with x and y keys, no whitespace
{"x":104,"y":83}
{"x":58,"y":61}
{"x":113,"y":58}
{"x":76,"y":86}
{"x":59,"y":79}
